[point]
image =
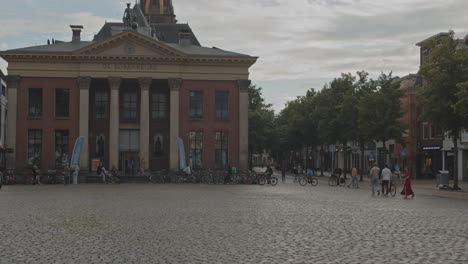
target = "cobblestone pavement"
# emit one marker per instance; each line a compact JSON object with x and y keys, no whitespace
{"x":138,"y":223}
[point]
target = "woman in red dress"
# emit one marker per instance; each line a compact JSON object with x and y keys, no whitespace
{"x":407,"y":190}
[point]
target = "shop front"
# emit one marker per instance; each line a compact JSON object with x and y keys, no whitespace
{"x":429,"y":162}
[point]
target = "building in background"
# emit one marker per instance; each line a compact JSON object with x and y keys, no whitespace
{"x":132,"y":91}
{"x":435,"y":146}
{"x":3,"y":109}
{"x":405,"y":155}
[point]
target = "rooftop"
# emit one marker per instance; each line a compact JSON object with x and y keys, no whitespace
{"x":175,"y":35}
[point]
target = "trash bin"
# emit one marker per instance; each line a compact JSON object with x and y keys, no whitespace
{"x":442,"y":180}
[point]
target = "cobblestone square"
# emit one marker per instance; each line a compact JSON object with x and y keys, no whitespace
{"x":145,"y":223}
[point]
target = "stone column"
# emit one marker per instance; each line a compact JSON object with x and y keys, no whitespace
{"x":174,"y":85}
{"x":243,"y":123}
{"x":145,"y":84}
{"x":13,"y":83}
{"x":114,"y":124}
{"x":84,"y":84}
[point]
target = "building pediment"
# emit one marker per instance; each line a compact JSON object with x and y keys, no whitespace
{"x":130,"y":44}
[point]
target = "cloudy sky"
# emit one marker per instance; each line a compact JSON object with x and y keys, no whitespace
{"x":302,"y":44}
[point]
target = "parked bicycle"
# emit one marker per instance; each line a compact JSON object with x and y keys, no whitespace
{"x":336,"y":179}
{"x":158,"y":177}
{"x":9,"y":177}
{"x":303,"y":181}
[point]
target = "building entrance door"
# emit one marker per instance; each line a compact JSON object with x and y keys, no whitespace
{"x":129,"y":149}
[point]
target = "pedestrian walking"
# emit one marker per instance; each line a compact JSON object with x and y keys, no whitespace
{"x":36,"y":174}
{"x":386,"y":177}
{"x":407,"y":190}
{"x":374,"y":177}
{"x":354,"y":178}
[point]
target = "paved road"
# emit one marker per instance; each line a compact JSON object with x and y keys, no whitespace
{"x":139,"y":223}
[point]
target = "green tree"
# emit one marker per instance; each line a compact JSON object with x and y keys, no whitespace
{"x":443,"y":97}
{"x":380,"y":110}
{"x":261,"y":118}
{"x":343,"y":113}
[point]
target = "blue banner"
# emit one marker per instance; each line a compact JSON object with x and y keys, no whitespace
{"x":77,"y":151}
{"x":182,"y":161}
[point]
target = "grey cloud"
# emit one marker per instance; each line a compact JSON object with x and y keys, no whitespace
{"x":299,"y":39}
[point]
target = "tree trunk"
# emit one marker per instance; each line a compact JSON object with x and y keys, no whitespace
{"x":321,"y":160}
{"x":361,"y":170}
{"x":345,"y":159}
{"x":250,"y":155}
{"x":455,"y":162}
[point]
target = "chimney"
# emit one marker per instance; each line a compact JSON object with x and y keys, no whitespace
{"x":76,"y":32}
{"x":185,"y":38}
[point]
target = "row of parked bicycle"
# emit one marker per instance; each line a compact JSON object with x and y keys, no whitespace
{"x":9,"y":177}
{"x":209,"y":176}
{"x":206,"y":176}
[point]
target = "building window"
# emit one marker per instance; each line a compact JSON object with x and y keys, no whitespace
{"x":155,"y":3}
{"x":221,"y":149}
{"x":130,"y":106}
{"x":35,"y":103}
{"x":100,"y":146}
{"x":222,"y":105}
{"x":61,"y":147}
{"x":101,"y":104}
{"x":62,"y":103}
{"x":158,"y":146}
{"x":196,"y":149}
{"x":426,"y":131}
{"x":34,"y":146}
{"x":196,"y":105}
{"x":159,"y":106}
{"x":436,"y":132}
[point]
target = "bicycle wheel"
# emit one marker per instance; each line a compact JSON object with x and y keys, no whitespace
{"x":332,"y":181}
{"x":262,"y":180}
{"x":314,"y":182}
{"x":273,"y":181}
{"x":235,"y":179}
{"x":392,"y":189}
{"x":303,"y":181}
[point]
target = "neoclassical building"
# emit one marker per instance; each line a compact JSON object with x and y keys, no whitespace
{"x":132,"y":92}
